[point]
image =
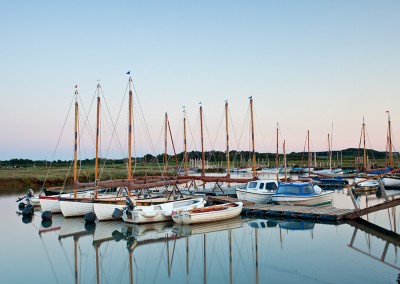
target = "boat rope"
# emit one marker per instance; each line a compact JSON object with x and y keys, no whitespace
{"x":58,"y":143}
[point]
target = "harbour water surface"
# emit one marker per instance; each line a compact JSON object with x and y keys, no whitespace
{"x":241,"y":250}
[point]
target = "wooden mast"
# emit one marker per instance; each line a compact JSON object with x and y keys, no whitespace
{"x":390,"y":141}
{"x":97,"y":142}
{"x":76,"y":141}
{"x":252,"y":138}
{"x":166,"y":145}
{"x":277,"y":149}
{"x":202,"y":142}
{"x":330,"y":153}
{"x":130,"y":134}
{"x":365,"y":150}
{"x":228,"y":166}
{"x":185,"y":157}
{"x":284,"y":158}
{"x":308,"y":146}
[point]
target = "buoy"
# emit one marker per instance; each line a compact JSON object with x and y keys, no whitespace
{"x":21,"y":206}
{"x":378,"y":193}
{"x":28,"y":210}
{"x":90,"y":217}
{"x":26,"y":219}
{"x":117,"y":235}
{"x":46,"y":223}
{"x":117,"y":214}
{"x":90,"y":227}
{"x":46,"y":215}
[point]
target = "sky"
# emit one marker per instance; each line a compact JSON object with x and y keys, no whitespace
{"x":307,"y":65}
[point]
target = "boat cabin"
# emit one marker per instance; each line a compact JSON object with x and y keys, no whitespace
{"x":296,"y":188}
{"x":268,"y":185}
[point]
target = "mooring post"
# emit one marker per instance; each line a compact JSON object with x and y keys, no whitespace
{"x":382,"y":187}
{"x":352,"y":198}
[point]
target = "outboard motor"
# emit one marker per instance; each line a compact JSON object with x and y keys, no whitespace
{"x":28,"y":210}
{"x":30,"y":193}
{"x":117,"y":214}
{"x":130,"y":204}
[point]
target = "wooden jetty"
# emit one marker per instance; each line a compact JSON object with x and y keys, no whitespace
{"x":327,"y":213}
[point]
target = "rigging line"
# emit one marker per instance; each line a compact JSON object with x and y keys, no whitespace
{"x":86,"y":116}
{"x":114,"y":125}
{"x":141,"y":112}
{"x":58,"y":143}
{"x":259,"y":127}
{"x":370,"y":145}
{"x":191,"y":132}
{"x":48,"y":258}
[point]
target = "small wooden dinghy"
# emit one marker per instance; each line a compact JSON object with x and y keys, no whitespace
{"x":208,"y":214}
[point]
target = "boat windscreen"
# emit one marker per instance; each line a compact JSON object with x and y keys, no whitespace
{"x":252,"y":184}
{"x":270,"y":186}
{"x":288,"y":189}
{"x":307,"y":189}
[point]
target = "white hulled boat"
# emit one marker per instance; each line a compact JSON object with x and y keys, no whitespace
{"x":258,"y":191}
{"x":208,"y":214}
{"x":158,"y":212}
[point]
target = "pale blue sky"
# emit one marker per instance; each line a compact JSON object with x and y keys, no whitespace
{"x":306,"y":64}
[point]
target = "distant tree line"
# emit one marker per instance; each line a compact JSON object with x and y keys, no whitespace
{"x":211,"y":156}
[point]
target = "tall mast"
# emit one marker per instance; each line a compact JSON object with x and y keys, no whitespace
{"x":130,"y":131}
{"x":97,"y":141}
{"x":390,"y":141}
{"x":76,"y":141}
{"x":185,"y":157}
{"x":202,"y":142}
{"x":308,"y":146}
{"x":365,"y":150}
{"x":228,"y":166}
{"x":277,"y":146}
{"x":284,"y":158}
{"x":331,"y":148}
{"x":166,"y":145}
{"x":330,"y":153}
{"x":252,"y":138}
{"x":277,"y":149}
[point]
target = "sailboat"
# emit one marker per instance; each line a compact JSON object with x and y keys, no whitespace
{"x":390,"y":180}
{"x":361,"y":181}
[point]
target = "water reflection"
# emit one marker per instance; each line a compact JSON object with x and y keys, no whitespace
{"x":234,"y":251}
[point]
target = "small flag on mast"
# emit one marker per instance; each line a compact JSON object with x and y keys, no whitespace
{"x":76,"y":86}
{"x":250,"y":97}
{"x":128,"y":73}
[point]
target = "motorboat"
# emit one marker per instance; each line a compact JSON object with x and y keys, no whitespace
{"x":258,"y":191}
{"x":302,"y":194}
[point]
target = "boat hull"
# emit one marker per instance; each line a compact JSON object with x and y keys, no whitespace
{"x":104,"y":211}
{"x":391,"y":182}
{"x":256,"y":197}
{"x":50,"y":203}
{"x":185,"y":217}
{"x":73,"y":208}
{"x":160,"y":212}
{"x":323,"y":198}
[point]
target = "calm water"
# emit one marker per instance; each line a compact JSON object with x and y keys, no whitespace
{"x":234,"y":251}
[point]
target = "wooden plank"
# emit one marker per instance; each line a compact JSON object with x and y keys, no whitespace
{"x":378,"y":207}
